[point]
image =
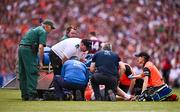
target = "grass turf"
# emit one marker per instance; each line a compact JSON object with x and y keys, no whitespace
{"x":10,"y":102}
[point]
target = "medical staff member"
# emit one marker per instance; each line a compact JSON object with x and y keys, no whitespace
{"x":32,"y":43}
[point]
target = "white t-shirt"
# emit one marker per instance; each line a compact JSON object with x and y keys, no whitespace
{"x":68,"y":47}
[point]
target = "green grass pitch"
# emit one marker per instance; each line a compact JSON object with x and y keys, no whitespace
{"x":10,"y":102}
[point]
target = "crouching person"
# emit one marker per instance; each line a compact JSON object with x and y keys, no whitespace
{"x":154,"y":88}
{"x":105,"y":66}
{"x":74,"y":77}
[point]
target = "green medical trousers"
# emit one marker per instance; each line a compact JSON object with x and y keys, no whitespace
{"x":28,"y":72}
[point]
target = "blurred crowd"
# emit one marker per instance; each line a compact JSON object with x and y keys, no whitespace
{"x":130,"y":25}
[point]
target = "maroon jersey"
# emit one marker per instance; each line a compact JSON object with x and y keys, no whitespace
{"x":96,"y":46}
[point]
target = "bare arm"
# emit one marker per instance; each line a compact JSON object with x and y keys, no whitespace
{"x":136,"y":76}
{"x":145,"y":84}
{"x":122,"y":68}
{"x":41,"y":53}
{"x":131,"y":86}
{"x":121,"y":71}
{"x":133,"y":81}
{"x":146,"y":74}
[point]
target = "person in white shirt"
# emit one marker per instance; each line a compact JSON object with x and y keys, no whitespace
{"x":65,"y":49}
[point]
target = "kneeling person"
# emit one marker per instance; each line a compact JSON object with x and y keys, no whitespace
{"x":154,"y":87}
{"x":74,"y":76}
{"x":104,"y":67}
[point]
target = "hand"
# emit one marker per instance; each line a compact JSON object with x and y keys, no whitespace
{"x":82,"y":60}
{"x":129,"y":93}
{"x":135,"y":76}
{"x":40,"y":65}
{"x":131,"y":76}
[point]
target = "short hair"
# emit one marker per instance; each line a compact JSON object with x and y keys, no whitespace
{"x":107,"y":46}
{"x":87,"y":43}
{"x":93,"y":33}
{"x":74,"y":58}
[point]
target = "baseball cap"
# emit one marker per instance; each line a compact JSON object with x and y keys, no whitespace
{"x":143,"y":54}
{"x":49,"y":22}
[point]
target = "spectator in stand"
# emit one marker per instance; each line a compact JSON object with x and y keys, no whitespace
{"x":174,"y":75}
{"x":166,"y":68}
{"x":141,"y":25}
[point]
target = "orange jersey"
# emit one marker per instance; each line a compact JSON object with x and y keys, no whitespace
{"x":155,"y":78}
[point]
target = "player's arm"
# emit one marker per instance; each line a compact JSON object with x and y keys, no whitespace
{"x":133,"y":81}
{"x":122,"y":68}
{"x":131,"y":86}
{"x":41,"y":53}
{"x":130,"y":72}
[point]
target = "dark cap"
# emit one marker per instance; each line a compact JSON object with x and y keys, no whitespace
{"x":143,"y":54}
{"x":49,"y":22}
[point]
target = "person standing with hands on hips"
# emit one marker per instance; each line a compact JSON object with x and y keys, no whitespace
{"x":31,"y":44}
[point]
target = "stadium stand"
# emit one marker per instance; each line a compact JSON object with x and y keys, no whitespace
{"x":130,"y":25}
